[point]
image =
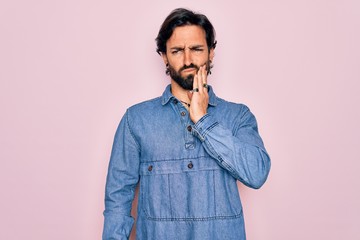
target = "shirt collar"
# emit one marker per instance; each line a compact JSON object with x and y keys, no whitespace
{"x":167,"y":96}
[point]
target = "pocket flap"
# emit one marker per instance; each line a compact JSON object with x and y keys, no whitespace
{"x":178,"y":166}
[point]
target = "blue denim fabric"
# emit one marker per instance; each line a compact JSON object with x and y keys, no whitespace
{"x":187,"y":172}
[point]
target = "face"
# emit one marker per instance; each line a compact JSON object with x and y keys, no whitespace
{"x":186,"y":51}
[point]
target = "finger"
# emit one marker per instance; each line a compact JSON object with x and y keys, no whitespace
{"x":204,"y":83}
{"x":204,"y":79}
{"x":195,"y":83}
{"x":200,"y":78}
{"x":190,"y":94}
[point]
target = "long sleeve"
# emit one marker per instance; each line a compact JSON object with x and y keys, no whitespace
{"x":122,"y":178}
{"x":240,"y":150}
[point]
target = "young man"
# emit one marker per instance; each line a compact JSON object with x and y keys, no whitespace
{"x":186,"y":148}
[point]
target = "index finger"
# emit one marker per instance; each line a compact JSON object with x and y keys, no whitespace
{"x":203,"y":77}
{"x":195,"y":83}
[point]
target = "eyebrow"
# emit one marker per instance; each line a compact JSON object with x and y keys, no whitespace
{"x":191,"y":47}
{"x":177,"y":48}
{"x":196,"y":46}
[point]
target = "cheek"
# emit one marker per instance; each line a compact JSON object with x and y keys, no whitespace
{"x":173,"y":67}
{"x":201,"y":59}
{"x":175,"y":64}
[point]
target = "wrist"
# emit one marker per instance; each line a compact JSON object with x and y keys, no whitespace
{"x":196,"y":117}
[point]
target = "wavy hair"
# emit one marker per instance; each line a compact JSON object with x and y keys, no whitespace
{"x":181,"y":17}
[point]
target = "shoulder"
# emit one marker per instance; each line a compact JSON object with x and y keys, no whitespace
{"x":238,"y":109}
{"x":146,"y":112}
{"x":236,"y":115}
{"x":145,"y":106}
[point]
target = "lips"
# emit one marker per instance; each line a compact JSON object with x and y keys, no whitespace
{"x":189,"y":70}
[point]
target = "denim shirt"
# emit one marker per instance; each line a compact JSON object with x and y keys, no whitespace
{"x":187,"y":172}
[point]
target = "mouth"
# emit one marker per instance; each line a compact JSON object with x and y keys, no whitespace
{"x":187,"y":70}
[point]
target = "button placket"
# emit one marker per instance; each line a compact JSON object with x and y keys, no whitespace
{"x":189,"y":128}
{"x":190,"y":165}
{"x":185,"y":120}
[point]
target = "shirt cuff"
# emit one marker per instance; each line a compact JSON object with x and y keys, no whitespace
{"x":202,"y":127}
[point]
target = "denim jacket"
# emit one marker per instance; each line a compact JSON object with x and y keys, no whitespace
{"x":187,"y":172}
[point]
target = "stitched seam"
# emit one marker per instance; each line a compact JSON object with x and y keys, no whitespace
{"x":214,"y":191}
{"x":174,"y":159}
{"x":210,"y":128}
{"x":222,"y":162}
{"x":169,"y":195}
{"x":195,"y":218}
{"x":131,"y":133}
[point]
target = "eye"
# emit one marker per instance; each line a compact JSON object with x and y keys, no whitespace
{"x":197,"y":49}
{"x":176,"y":51}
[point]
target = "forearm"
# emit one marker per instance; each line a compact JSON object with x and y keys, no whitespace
{"x":117,"y":226}
{"x":122,"y":178}
{"x":243,"y":154}
{"x":119,"y":196}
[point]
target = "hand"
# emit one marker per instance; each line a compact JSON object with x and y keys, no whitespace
{"x":199,"y":100}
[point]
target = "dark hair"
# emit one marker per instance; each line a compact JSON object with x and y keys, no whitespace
{"x":180,"y":17}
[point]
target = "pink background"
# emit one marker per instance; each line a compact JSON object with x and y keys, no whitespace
{"x":69,"y":69}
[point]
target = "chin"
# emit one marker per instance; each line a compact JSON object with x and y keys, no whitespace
{"x":188,"y":76}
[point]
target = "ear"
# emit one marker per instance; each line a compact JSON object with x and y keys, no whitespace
{"x":164,"y":57}
{"x":211,"y":54}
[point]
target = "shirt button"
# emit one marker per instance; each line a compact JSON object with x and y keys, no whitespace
{"x":150,"y":168}
{"x":175,"y":101}
{"x":183,"y":113}
{"x":190,"y":165}
{"x":189,"y":128}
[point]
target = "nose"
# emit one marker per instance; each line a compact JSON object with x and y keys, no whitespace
{"x":187,"y":57}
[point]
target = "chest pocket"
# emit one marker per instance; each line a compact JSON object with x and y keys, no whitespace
{"x":188,"y":190}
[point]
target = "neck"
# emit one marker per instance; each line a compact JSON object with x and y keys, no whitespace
{"x":179,"y":92}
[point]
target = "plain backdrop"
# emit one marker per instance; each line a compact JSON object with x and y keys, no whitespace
{"x":70,"y":68}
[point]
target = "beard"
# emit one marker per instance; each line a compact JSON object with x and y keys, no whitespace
{"x":187,"y":81}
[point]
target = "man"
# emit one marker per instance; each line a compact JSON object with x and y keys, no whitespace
{"x":186,"y":148}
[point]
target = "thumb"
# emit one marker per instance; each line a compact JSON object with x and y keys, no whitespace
{"x":190,"y":94}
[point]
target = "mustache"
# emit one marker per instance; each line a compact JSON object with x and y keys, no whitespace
{"x":189,"y":66}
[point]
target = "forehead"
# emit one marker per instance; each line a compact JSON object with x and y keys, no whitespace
{"x":187,"y":35}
